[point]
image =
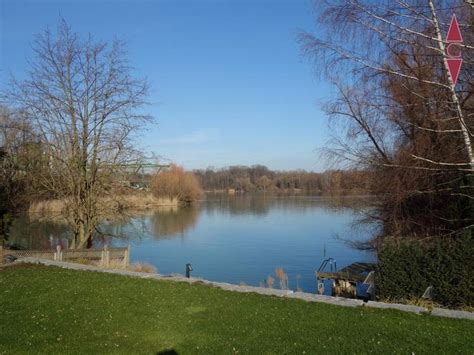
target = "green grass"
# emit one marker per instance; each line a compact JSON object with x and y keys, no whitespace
{"x":52,"y":310}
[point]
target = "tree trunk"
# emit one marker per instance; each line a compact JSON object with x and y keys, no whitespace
{"x":457,"y":104}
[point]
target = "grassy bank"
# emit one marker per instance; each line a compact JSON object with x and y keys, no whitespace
{"x":53,"y":310}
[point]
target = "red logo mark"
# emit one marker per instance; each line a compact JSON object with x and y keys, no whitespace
{"x":453,"y":49}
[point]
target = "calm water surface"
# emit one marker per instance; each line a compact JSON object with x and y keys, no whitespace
{"x":233,"y":238}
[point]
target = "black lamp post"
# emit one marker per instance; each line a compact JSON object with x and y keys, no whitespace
{"x":189,"y":268}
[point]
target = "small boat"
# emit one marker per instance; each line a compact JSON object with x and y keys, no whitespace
{"x":356,"y":280}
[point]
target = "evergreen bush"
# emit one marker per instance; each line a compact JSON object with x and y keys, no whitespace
{"x":407,"y":267}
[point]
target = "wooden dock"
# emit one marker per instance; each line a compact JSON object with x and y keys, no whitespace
{"x":353,"y":272}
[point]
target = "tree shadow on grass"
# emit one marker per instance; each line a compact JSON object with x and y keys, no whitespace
{"x":167,"y":352}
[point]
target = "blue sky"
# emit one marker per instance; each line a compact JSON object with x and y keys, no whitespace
{"x":229,"y":85}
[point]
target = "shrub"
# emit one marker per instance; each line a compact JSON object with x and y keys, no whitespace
{"x":270,"y":281}
{"x":283,"y":277}
{"x":176,"y":183}
{"x":407,"y":267}
{"x":142,"y":267}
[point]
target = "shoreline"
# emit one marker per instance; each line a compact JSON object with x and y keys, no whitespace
{"x":131,"y":201}
{"x":307,"y":297}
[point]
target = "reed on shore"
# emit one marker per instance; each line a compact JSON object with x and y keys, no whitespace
{"x":126,"y":201}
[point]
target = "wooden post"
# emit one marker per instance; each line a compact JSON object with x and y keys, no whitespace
{"x":59,"y":256}
{"x":126,"y":257}
{"x":102,"y":258}
{"x":106,"y":256}
{"x":2,"y":258}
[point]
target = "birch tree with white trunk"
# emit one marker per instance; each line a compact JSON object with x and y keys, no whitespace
{"x":396,"y":110}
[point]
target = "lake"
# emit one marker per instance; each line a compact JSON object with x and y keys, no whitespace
{"x":235,"y":239}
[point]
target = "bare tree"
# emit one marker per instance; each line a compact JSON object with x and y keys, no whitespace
{"x":85,"y":104}
{"x":21,"y":155}
{"x":264,"y":183}
{"x":397,"y":108}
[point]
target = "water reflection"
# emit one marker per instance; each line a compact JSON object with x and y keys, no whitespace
{"x":230,"y":238}
{"x":261,"y":204}
{"x":172,"y":222}
{"x":37,"y":234}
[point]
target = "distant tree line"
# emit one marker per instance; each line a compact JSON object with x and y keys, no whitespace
{"x":260,"y":178}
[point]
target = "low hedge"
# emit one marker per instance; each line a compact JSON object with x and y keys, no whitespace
{"x":407,"y":267}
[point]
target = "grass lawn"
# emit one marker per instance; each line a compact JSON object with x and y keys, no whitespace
{"x":51,"y":310}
